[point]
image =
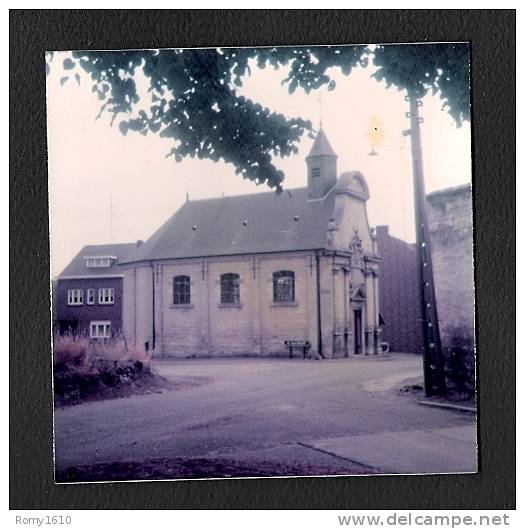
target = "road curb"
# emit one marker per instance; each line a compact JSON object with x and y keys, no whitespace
{"x":447,"y":406}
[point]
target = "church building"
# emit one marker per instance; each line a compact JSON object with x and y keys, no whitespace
{"x":242,"y":275}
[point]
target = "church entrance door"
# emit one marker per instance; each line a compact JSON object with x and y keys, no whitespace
{"x":358,"y":332}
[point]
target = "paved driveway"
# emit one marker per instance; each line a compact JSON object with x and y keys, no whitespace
{"x":277,"y":410}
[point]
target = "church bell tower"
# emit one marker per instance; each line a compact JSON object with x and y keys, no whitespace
{"x":321,"y":164}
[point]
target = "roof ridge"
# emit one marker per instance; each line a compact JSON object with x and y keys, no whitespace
{"x":244,"y":195}
{"x":111,"y":244}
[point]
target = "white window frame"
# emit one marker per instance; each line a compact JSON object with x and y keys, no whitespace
{"x":75,"y":296}
{"x":90,"y":296}
{"x":106,"y":292}
{"x":99,"y":261}
{"x":94,"y":329}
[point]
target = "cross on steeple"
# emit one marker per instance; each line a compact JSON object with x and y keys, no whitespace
{"x":320,"y":99}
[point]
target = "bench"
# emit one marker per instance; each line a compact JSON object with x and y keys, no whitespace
{"x":304,"y":344}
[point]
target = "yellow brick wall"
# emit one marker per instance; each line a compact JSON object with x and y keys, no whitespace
{"x":182,"y":328}
{"x":280,"y":323}
{"x":258,"y":327}
{"x":137,"y":307}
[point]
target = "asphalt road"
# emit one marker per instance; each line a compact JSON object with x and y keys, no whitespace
{"x":249,"y":409}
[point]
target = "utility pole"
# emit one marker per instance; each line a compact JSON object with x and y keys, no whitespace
{"x":433,"y":362}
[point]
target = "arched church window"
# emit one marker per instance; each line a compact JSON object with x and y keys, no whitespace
{"x":230,"y":289}
{"x":283,"y":286}
{"x":181,"y":290}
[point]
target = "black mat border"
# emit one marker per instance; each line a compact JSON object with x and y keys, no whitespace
{"x":492,"y":37}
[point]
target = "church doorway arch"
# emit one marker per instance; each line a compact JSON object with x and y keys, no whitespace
{"x":358,"y":304}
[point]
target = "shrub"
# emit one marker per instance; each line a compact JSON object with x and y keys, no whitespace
{"x":86,"y":367}
{"x":460,"y":364}
{"x":71,"y":352}
{"x":77,"y":352}
{"x":116,"y":350}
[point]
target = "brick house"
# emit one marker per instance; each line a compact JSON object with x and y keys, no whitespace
{"x":87,"y":295}
{"x":398,"y":293}
{"x":241,"y":275}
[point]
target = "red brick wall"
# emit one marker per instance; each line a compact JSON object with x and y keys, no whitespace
{"x":398,"y":295}
{"x":85,"y":313}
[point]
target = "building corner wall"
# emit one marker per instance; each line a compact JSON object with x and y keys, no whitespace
{"x":451,"y":233}
{"x":398,"y":293}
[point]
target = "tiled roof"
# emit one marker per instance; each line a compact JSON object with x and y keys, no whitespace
{"x":77,"y":267}
{"x":247,"y":224}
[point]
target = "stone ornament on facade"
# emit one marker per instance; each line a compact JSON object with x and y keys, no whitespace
{"x":356,"y":247}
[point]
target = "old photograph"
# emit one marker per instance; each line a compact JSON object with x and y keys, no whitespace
{"x":261,"y":262}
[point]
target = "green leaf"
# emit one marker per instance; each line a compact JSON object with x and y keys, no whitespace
{"x":123,"y":127}
{"x":188,"y":84}
{"x":68,"y":64}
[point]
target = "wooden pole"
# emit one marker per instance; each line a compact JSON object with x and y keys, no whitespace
{"x":433,"y":362}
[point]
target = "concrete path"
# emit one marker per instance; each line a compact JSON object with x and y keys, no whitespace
{"x":441,"y":450}
{"x":273,"y":409}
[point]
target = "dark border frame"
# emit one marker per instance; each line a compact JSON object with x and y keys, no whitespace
{"x":492,"y":38}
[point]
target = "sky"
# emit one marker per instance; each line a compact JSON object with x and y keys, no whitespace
{"x":105,"y":187}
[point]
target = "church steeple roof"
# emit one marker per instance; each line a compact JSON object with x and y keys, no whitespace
{"x":321,"y":146}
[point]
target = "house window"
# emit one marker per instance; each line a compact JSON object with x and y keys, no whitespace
{"x":99,"y":262}
{"x":106,"y":296}
{"x":316,"y":171}
{"x":283,"y":287}
{"x":75,"y":296}
{"x":230,"y":289}
{"x":99,"y":329}
{"x":181,"y":290}
{"x":90,"y":296}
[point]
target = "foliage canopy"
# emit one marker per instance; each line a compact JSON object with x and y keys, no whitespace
{"x":195,"y":99}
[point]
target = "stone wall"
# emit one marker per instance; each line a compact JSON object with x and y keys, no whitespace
{"x":450,"y":221}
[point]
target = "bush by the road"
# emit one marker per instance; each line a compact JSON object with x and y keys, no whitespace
{"x":460,"y":364}
{"x":86,"y":369}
